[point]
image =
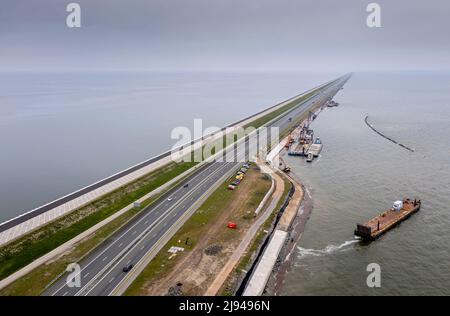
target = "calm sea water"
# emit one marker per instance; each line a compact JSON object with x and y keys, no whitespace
{"x":359,"y":174}
{"x":60,"y":132}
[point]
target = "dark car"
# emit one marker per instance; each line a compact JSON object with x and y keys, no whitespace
{"x":127,"y":268}
{"x":186,"y":185}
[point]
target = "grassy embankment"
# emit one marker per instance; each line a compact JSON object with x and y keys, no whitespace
{"x":159,"y":265}
{"x":34,"y":283}
{"x":197,"y":226}
{"x":290,"y":105}
{"x":23,"y":251}
{"x":259,"y":122}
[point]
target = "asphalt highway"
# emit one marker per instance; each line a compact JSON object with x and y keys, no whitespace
{"x":102,"y":270}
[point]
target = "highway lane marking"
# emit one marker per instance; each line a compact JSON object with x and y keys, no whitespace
{"x":105,"y":258}
{"x":142,"y":247}
{"x":65,"y":293}
{"x":158,"y":205}
{"x":200,"y":174}
{"x":146,"y":222}
{"x":86,"y":275}
{"x":134,"y":246}
{"x":218,"y":169}
{"x":133,"y":233}
{"x":93,"y":186}
{"x":128,"y":262}
{"x":139,"y":239}
{"x":120,"y":245}
{"x":112,"y":279}
{"x":160,"y":240}
{"x":155,"y":207}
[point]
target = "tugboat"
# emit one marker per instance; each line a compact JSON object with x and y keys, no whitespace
{"x":380,"y":224}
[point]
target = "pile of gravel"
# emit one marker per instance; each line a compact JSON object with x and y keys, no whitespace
{"x":213,"y":250}
{"x":175,"y":290}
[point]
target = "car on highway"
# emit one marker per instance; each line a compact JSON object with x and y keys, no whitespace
{"x":169,"y":199}
{"x":186,"y":185}
{"x":127,"y":268}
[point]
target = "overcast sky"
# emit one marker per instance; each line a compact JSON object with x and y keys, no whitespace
{"x":224,"y":34}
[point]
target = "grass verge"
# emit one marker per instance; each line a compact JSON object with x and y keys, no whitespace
{"x":34,"y":283}
{"x":26,"y":249}
{"x":195,"y":229}
{"x":266,"y":118}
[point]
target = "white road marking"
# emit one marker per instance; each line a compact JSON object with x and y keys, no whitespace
{"x":104,"y":258}
{"x":167,"y":214}
{"x":124,"y":234}
{"x":85,"y":276}
{"x":129,"y":229}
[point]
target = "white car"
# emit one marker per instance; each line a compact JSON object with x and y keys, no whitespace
{"x":169,"y":199}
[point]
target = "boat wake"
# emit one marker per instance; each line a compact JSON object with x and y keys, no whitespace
{"x":330,"y":249}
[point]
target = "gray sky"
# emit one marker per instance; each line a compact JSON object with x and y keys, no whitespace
{"x":224,"y":34}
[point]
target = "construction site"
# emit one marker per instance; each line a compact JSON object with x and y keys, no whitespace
{"x":301,"y":141}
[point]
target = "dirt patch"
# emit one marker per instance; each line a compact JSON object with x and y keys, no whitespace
{"x":213,"y":250}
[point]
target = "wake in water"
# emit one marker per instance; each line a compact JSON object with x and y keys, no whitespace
{"x":330,"y":249}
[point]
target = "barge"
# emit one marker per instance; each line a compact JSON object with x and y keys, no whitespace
{"x":380,"y":224}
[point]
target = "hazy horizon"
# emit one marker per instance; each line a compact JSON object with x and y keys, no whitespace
{"x":224,"y":35}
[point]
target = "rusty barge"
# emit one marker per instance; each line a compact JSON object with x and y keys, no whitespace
{"x":380,"y":224}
